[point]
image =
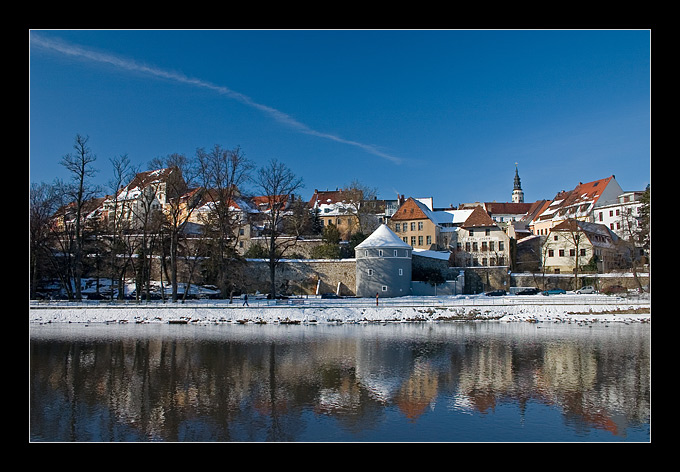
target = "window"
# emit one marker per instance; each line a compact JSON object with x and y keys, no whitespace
{"x":467,"y":247}
{"x":413,"y":226}
{"x":471,"y":232}
{"x":366,"y":253}
{"x":384,"y":288}
{"x":369,"y":272}
{"x":561,"y":252}
{"x":501,"y":246}
{"x":397,"y":227}
{"x":484,"y":261}
{"x":485,"y":247}
{"x":555,"y":237}
{"x":551,"y":253}
{"x":492,"y":245}
{"x":582,"y":252}
{"x":413,"y":240}
{"x":420,"y":226}
{"x":396,"y":253}
{"x":380,"y":252}
{"x":572,"y":252}
{"x":405,"y":239}
{"x":420,"y":240}
{"x":487,"y":232}
{"x":401,"y":271}
{"x":428,"y":240}
{"x":601,"y":216}
{"x":475,"y":248}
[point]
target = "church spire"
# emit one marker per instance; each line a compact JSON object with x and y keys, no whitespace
{"x":517,"y":193}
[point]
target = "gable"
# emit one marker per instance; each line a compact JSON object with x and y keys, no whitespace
{"x":410,"y":210}
{"x":478,"y":218}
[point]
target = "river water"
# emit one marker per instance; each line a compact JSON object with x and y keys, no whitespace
{"x":394,"y":382}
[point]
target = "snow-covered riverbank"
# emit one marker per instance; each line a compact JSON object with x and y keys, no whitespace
{"x":561,"y":308}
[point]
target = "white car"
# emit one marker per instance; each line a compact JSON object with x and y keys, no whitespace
{"x":586,"y":289}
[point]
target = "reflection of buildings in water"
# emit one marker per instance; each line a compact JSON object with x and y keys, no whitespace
{"x":381,"y":368}
{"x":155,"y":385}
{"x":418,"y":391}
{"x":345,"y":397}
{"x":486,"y":373}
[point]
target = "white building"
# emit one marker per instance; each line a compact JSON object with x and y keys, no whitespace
{"x":580,"y":204}
{"x":622,"y":217}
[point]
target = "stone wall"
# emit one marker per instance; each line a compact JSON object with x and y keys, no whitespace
{"x":302,"y":276}
{"x":601,"y":282}
{"x":480,"y":279}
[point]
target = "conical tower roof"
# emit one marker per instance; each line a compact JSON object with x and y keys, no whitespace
{"x":383,"y":237}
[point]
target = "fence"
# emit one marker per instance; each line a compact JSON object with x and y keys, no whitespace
{"x":312,"y":301}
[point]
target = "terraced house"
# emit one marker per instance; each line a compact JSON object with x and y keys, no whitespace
{"x":581,"y":203}
{"x":580,"y":245}
{"x":480,"y":241}
{"x":418,"y":225}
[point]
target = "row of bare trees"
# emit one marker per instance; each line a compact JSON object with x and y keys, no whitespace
{"x":114,"y":246}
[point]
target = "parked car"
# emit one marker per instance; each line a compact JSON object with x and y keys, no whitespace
{"x":495,"y":293}
{"x":528,"y":291}
{"x":554,"y":291}
{"x":586,"y":289}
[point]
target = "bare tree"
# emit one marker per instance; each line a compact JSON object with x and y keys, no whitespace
{"x":123,"y":172}
{"x":222,"y":173}
{"x":361,"y":200}
{"x":300,"y":220}
{"x":180,"y":204}
{"x":42,"y":205}
{"x":276,"y":182}
{"x":79,"y":191}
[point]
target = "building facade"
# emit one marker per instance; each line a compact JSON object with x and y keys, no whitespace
{"x":383,"y":265}
{"x":589,"y":246}
{"x":480,"y":241}
{"x":580,"y":204}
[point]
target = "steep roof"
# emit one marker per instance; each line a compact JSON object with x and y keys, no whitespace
{"x":383,"y":237}
{"x":478,"y":218}
{"x":598,"y":234}
{"x":330,"y":197}
{"x":412,"y":209}
{"x":507,"y":208}
{"x":576,"y":203}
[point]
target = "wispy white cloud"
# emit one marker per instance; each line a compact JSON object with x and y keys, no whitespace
{"x":74,"y":50}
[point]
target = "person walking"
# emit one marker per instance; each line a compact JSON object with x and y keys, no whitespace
{"x":245,"y":300}
{"x":377,"y":295}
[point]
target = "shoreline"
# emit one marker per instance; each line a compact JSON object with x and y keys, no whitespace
{"x":571,"y":311}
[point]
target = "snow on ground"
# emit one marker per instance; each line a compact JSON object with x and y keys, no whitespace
{"x":567,"y":308}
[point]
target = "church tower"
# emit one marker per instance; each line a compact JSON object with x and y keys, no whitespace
{"x":517,"y":194}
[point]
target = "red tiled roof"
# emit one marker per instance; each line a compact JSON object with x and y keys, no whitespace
{"x":588,"y":192}
{"x":507,"y":208}
{"x":478,"y":217}
{"x":410,"y":210}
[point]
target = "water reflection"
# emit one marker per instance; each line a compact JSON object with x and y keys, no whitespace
{"x":401,"y":382}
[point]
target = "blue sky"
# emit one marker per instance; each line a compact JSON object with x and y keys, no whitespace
{"x":442,"y":114}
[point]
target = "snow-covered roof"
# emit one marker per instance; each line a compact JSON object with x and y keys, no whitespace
{"x":441,"y":255}
{"x":383,"y":237}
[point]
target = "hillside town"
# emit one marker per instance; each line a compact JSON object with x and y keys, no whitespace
{"x":157,"y":229}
